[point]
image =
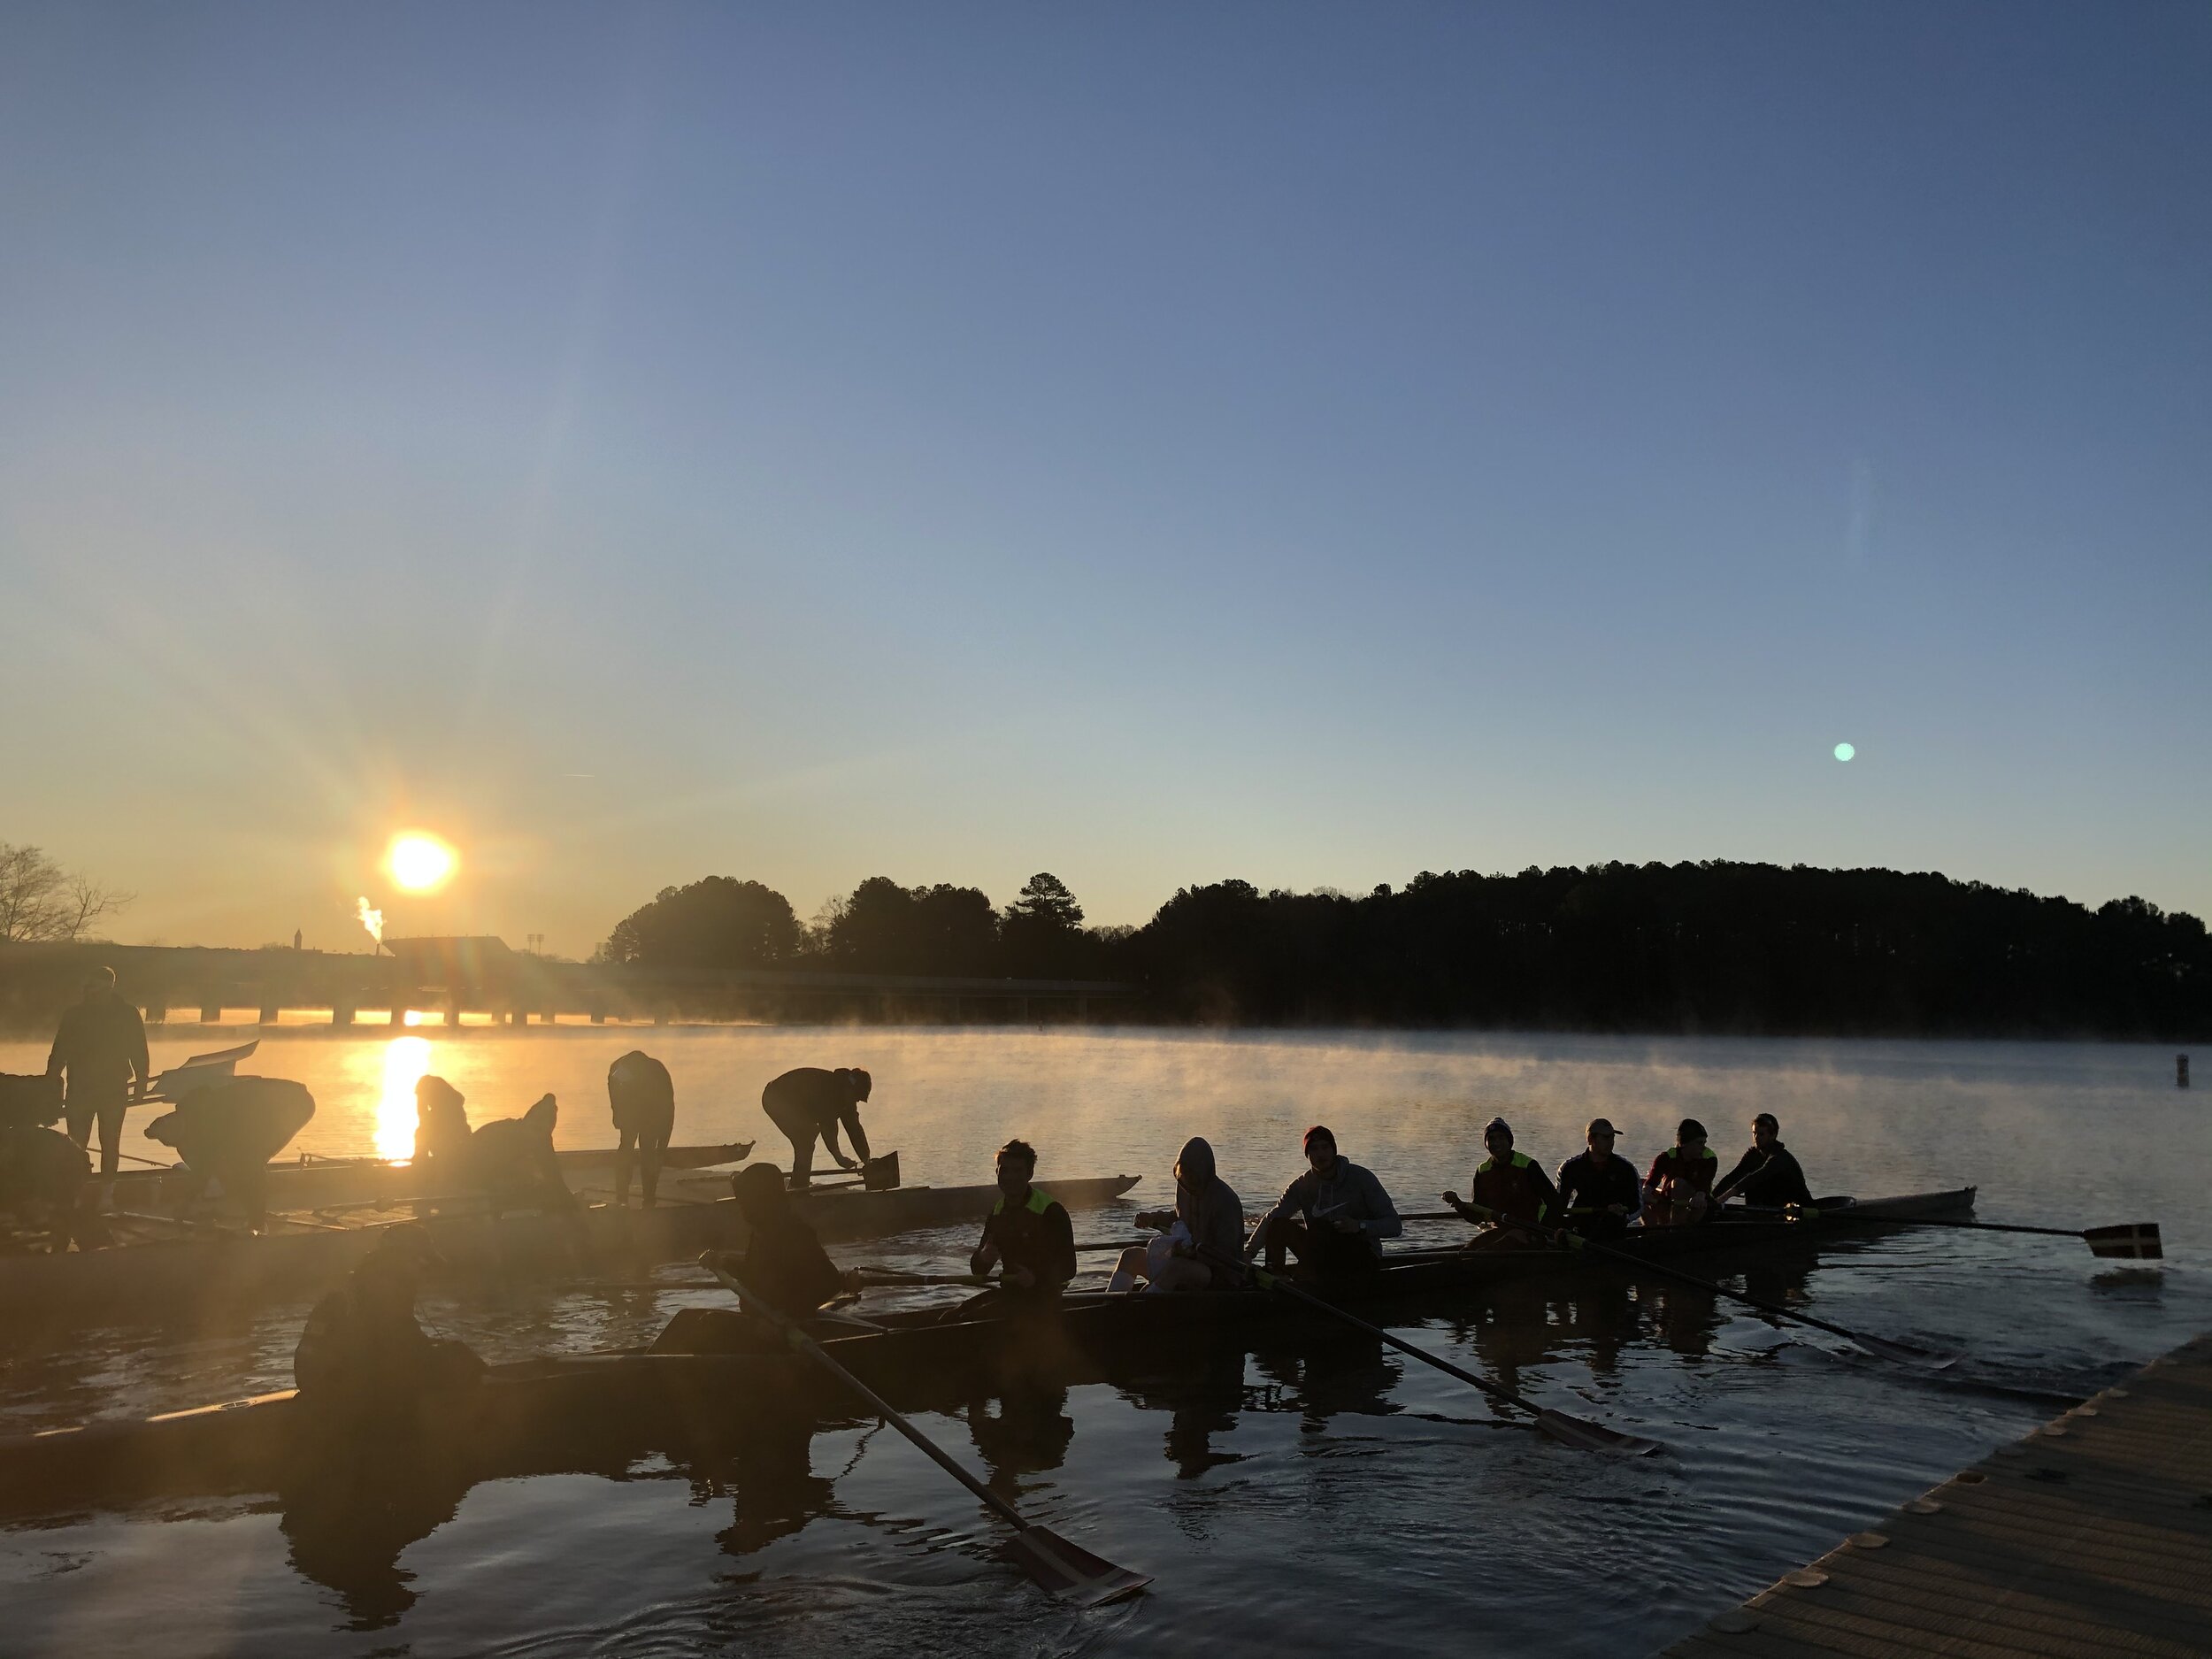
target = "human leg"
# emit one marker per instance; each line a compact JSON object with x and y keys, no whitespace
{"x":626,"y":1143}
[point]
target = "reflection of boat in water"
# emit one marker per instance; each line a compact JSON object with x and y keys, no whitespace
{"x":684,"y":1395}
{"x":206,"y":1274}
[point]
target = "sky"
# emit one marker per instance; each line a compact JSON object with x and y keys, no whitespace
{"x":1151,"y":444}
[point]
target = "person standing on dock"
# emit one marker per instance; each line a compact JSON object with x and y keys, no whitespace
{"x":1512,"y":1186}
{"x":643,"y":1097}
{"x":101,"y":1048}
{"x":1028,"y":1236}
{"x":1599,"y":1193}
{"x":1679,"y":1191}
{"x":1769,"y":1175}
{"x":1333,"y":1217}
{"x":808,"y":1104}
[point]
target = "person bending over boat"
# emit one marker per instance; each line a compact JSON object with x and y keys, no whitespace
{"x":1207,"y":1215}
{"x":643,"y":1097}
{"x":442,"y":1132}
{"x":511,"y":1161}
{"x":1679,"y":1191}
{"x":1333,"y":1218}
{"x":783,"y":1262}
{"x":1028,"y":1236}
{"x":807,"y":1104}
{"x":228,"y":1132}
{"x":1768,"y":1175}
{"x":1599,"y":1193}
{"x":1511,"y":1183}
{"x":101,"y":1045}
{"x":362,"y":1352}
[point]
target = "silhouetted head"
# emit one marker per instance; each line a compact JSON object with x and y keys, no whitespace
{"x":1600,"y":1136}
{"x":760,"y":1193}
{"x":1766,"y":1134}
{"x":1016,"y":1167}
{"x":1497,"y":1134}
{"x":1320,"y":1147}
{"x":857,"y":1082}
{"x":1195,"y":1166}
{"x":388,"y":1276}
{"x":434,"y":1096}
{"x":99,"y":983}
{"x":1689,"y":1134}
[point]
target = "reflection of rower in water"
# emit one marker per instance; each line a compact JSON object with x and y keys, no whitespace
{"x":1208,"y":1215}
{"x":1598,"y":1189}
{"x":1333,"y":1217}
{"x":1768,"y":1175}
{"x":1028,"y":1237}
{"x":1512,"y":1185}
{"x":1679,"y":1191}
{"x":808,"y":1104}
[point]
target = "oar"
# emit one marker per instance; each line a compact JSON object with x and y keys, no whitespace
{"x":1070,"y":1572}
{"x":1568,"y":1431}
{"x":1880,"y":1347}
{"x":2129,"y":1240}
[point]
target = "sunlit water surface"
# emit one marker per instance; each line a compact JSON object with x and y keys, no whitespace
{"x":1326,"y":1496}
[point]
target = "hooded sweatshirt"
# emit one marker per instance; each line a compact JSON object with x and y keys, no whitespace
{"x":1207,"y":1206}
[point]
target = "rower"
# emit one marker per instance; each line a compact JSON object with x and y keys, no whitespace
{"x":1598,"y":1190}
{"x":1333,"y":1217}
{"x":441,"y":1130}
{"x":1769,"y":1175}
{"x":784,"y":1261}
{"x":1207,"y":1215}
{"x":809,"y":1103}
{"x":362,"y":1352}
{"x":1512,"y":1185}
{"x":1028,"y":1236}
{"x":643,"y":1097}
{"x":1679,"y":1191}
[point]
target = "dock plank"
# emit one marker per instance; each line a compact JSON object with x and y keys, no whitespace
{"x":2091,"y":1536}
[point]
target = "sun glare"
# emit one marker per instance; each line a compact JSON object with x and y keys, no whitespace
{"x":405,"y":1061}
{"x":419,"y":861}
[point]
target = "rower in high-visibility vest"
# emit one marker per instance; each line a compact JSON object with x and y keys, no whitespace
{"x":1028,"y":1236}
{"x":1511,"y":1184}
{"x":1679,"y":1188}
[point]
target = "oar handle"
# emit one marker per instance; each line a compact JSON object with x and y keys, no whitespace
{"x":800,"y":1342}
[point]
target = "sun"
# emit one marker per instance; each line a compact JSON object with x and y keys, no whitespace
{"x":419,"y":861}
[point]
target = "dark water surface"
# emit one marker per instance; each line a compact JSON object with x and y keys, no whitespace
{"x":1298,"y":1494}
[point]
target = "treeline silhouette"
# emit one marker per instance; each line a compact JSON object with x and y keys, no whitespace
{"x":1707,"y":948}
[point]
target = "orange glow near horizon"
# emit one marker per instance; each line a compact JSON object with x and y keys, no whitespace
{"x":420,"y":862}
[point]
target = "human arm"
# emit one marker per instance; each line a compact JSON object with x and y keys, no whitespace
{"x":1550,"y":1207}
{"x":985,"y":1257}
{"x":1381,"y":1221}
{"x":142,"y":1067}
{"x":58,"y":1057}
{"x":1293,"y":1199}
{"x":859,"y":1136}
{"x":1059,"y":1265}
{"x":1752,"y":1162}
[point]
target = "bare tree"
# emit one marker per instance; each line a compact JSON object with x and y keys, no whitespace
{"x":42,"y":904}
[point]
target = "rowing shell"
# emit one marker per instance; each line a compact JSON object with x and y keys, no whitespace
{"x":545,"y":1414}
{"x":199,"y":1278}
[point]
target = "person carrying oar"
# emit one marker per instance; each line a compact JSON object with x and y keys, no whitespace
{"x":1511,"y":1193}
{"x":1767,"y":1174}
{"x":810,"y":1104}
{"x":1333,"y":1217}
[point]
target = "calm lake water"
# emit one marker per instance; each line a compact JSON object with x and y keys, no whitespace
{"x":1322,"y":1495}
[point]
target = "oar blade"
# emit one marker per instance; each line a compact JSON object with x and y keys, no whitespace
{"x":2131,"y":1242}
{"x":1069,"y":1571}
{"x":1905,"y":1353}
{"x":1594,"y":1437}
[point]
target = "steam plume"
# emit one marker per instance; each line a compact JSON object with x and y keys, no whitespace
{"x":372,"y":920}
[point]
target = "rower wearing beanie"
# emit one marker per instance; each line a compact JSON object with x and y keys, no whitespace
{"x":1598,"y":1190}
{"x":1512,"y":1187}
{"x":1679,"y":1188}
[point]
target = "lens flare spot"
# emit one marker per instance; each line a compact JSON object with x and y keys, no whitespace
{"x":419,"y":861}
{"x":406,"y":1060}
{"x":1844,"y":751}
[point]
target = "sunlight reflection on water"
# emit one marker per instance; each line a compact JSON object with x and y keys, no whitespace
{"x":406,"y":1060}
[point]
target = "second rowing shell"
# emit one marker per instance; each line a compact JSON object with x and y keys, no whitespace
{"x":201,"y":1277}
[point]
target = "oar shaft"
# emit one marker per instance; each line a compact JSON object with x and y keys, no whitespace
{"x":1880,"y":1220}
{"x":806,"y":1345}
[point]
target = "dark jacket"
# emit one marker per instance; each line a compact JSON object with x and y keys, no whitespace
{"x":811,"y":1098}
{"x":1037,"y":1235}
{"x":1587,"y":1184}
{"x":1206,"y":1205}
{"x":1769,"y":1179}
{"x":785,"y":1265}
{"x":1516,"y":1187}
{"x":101,"y":1045}
{"x":641,"y":1095}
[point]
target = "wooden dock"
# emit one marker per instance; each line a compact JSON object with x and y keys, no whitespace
{"x":2090,"y":1538}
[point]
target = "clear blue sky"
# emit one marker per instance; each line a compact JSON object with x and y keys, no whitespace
{"x":1150,"y":443}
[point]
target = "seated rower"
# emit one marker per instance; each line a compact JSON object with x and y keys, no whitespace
{"x":1768,"y":1175}
{"x":1679,"y":1191}
{"x":362,"y":1352}
{"x":442,"y":1132}
{"x":228,"y":1132}
{"x":784,"y":1262}
{"x":1598,"y":1190}
{"x":1028,"y":1236}
{"x":1333,"y":1217}
{"x":1208,"y":1213}
{"x":1514,"y":1187}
